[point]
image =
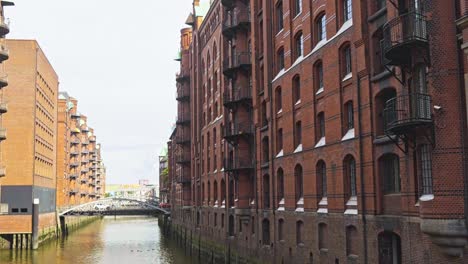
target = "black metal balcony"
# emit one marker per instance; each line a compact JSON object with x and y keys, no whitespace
{"x":183,"y":157}
{"x":72,"y":176}
{"x":183,"y":93}
{"x":74,"y":164}
{"x":183,"y":118}
{"x":228,"y":3}
{"x":4,"y":28}
{"x":4,"y":53}
{"x":238,"y":164}
{"x":183,"y":176}
{"x":236,"y":22}
{"x":238,"y":61}
{"x":74,"y":191}
{"x":3,"y":107}
{"x":237,"y":130}
{"x":239,"y":95}
{"x":183,"y":76}
{"x":182,"y":138}
{"x":402,"y":35}
{"x":3,"y":81}
{"x":407,"y":112}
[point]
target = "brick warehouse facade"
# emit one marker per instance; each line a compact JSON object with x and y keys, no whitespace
{"x":4,"y":55}
{"x":47,"y":138}
{"x":79,"y":175}
{"x":319,"y":131}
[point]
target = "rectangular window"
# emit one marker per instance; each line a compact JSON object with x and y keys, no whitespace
{"x":322,"y":28}
{"x":280,"y":60}
{"x":320,"y":76}
{"x":298,"y":133}
{"x":279,"y":142}
{"x":321,"y":121}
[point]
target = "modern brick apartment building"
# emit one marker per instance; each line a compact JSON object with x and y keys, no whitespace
{"x":31,"y":149}
{"x":4,"y":55}
{"x":79,"y":170}
{"x":323,"y":131}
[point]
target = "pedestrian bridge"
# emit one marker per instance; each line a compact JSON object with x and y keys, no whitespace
{"x":116,"y":206}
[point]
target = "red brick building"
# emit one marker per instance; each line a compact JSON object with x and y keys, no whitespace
{"x":323,"y":131}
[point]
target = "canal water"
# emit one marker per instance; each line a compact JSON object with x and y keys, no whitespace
{"x":133,"y":240}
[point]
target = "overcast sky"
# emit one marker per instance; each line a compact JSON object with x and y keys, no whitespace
{"x":117,"y":58}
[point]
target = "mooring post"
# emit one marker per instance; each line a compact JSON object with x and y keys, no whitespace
{"x":35,"y":224}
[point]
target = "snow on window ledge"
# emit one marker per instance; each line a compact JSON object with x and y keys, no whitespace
{"x":347,"y":77}
{"x":349,"y":135}
{"x":298,"y":149}
{"x":321,"y":142}
{"x":280,"y":154}
{"x":351,"y":212}
{"x":324,"y":201}
{"x":322,"y":211}
{"x":352,"y":201}
{"x":426,"y":197}
{"x":319,"y":91}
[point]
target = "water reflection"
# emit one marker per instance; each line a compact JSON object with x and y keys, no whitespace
{"x":122,"y":240}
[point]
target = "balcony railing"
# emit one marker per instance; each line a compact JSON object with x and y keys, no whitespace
{"x":183,"y":157}
{"x":238,"y":164}
{"x":74,"y":164}
{"x":183,"y":176}
{"x":4,"y":53}
{"x":183,"y":93}
{"x":182,"y":138}
{"x":2,"y":172}
{"x":72,"y":176}
{"x":227,"y":3}
{"x":238,"y":20}
{"x":238,"y":61}
{"x":74,"y":141}
{"x":3,"y":81}
{"x":3,"y":134}
{"x":3,"y":107}
{"x":401,"y":35}
{"x":242,"y":94}
{"x":183,"y":118}
{"x":406,"y":112}
{"x":4,"y":27}
{"x":183,"y":76}
{"x":236,"y":130}
{"x":75,"y":115}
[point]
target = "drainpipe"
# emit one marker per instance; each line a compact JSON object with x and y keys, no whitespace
{"x":361,"y":169}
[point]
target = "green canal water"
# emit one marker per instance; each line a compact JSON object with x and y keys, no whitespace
{"x":133,"y":240}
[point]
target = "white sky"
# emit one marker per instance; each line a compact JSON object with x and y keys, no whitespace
{"x":116,"y":58}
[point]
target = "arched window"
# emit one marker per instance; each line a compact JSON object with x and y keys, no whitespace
{"x":321,"y":170}
{"x":321,"y":27}
{"x":280,"y":183}
{"x":280,"y":229}
{"x":389,"y":248}
{"x":215,"y":192}
{"x":298,"y":135}
{"x":320,"y":127}
{"x":264,"y":114}
{"x":209,"y":193}
{"x":279,"y":99}
{"x":299,"y":232}
{"x":223,"y":192}
{"x":298,"y":45}
{"x":297,"y":8}
{"x":318,"y":72}
{"x":348,"y":116}
{"x":346,"y":60}
{"x":296,"y":85}
{"x":266,"y":232}
{"x":389,"y":170}
{"x":279,"y":141}
{"x":322,"y":236}
{"x":265,"y":150}
{"x":280,"y":59}
{"x":349,"y":166}
{"x":231,"y":225}
{"x":299,"y":182}
{"x":347,"y":10}
{"x":351,"y":241}
{"x":279,"y":16}
{"x":231,"y":193}
{"x":380,"y":101}
{"x":266,"y":191}
{"x":203,"y":192}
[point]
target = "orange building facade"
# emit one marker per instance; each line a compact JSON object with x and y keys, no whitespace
{"x":30,"y":153}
